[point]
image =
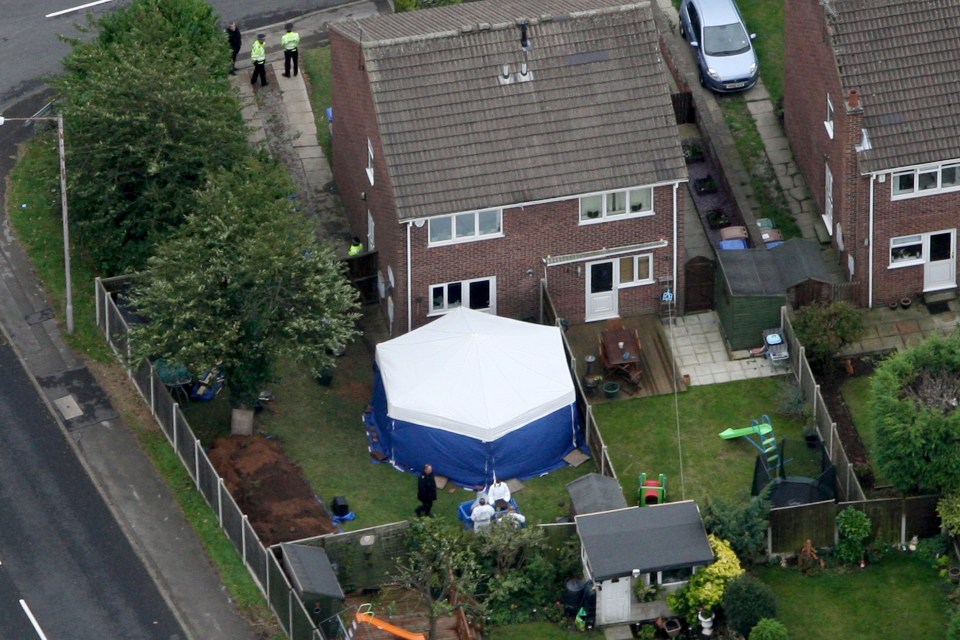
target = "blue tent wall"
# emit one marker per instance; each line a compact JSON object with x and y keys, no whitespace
{"x":532,"y":450}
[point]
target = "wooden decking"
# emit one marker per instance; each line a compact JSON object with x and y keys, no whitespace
{"x":656,"y":358}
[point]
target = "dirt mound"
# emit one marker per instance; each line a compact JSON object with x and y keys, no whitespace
{"x":269,"y":489}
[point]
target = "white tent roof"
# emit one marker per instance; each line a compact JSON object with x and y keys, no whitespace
{"x":475,"y":374}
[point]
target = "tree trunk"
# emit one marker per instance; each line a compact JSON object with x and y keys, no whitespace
{"x":241,"y":422}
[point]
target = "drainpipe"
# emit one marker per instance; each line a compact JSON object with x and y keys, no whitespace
{"x":676,"y":185}
{"x":873,"y":177}
{"x":409,"y":281}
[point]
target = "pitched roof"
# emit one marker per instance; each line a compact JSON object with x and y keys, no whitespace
{"x":594,"y":492}
{"x":655,"y":538}
{"x":903,"y":56}
{"x":595,"y":115}
{"x":770,"y":272}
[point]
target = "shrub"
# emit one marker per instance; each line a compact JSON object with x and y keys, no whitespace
{"x":824,"y":330}
{"x":948,"y":508}
{"x":707,"y":586}
{"x":953,"y":631}
{"x":855,"y":529}
{"x":747,"y":601}
{"x":742,"y":522}
{"x":769,"y":629}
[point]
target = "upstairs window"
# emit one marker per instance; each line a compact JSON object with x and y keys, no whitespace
{"x":828,"y":123}
{"x":370,"y":161}
{"x":928,"y":180}
{"x":465,"y":227}
{"x":614,"y":204}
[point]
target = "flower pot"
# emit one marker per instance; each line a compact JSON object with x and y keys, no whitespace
{"x":706,"y":185}
{"x":611,"y":389}
{"x":954,"y":574}
{"x":905,"y":303}
{"x":672,"y":627}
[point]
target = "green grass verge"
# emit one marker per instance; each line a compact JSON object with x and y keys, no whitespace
{"x":539,"y":630}
{"x":900,"y":592}
{"x":316,"y":63}
{"x":38,"y":228}
{"x":641,"y":436}
{"x":765,"y":18}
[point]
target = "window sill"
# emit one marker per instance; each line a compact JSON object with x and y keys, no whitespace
{"x":614,"y":218}
{"x":446,"y":243}
{"x":906,"y":263}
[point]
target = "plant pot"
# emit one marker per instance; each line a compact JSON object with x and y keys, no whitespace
{"x":905,"y":303}
{"x":717,"y":219}
{"x":672,"y":627}
{"x":893,"y":305}
{"x":611,"y":389}
{"x":954,"y":574}
{"x":706,"y":185}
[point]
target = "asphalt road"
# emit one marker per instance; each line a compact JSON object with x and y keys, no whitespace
{"x":30,"y":49}
{"x":61,"y":551}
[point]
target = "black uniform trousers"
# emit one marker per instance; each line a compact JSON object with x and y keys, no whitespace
{"x":259,"y":71}
{"x":289,"y":55}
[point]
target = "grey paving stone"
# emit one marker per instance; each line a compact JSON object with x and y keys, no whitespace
{"x":781,"y":156}
{"x":310,"y":152}
{"x":302,"y":118}
{"x":759,"y":106}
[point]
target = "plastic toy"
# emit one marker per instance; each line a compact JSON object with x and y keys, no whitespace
{"x":760,"y":434}
{"x":365,"y":615}
{"x":652,"y":491}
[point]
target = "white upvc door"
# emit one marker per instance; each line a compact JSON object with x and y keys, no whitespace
{"x":601,"y":289}
{"x":940,"y":266}
{"x":614,"y":603}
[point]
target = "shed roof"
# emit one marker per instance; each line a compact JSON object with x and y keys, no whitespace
{"x":311,"y":571}
{"x":595,"y":115}
{"x":899,"y":54}
{"x":655,"y":538}
{"x":595,"y":492}
{"x":770,"y":272}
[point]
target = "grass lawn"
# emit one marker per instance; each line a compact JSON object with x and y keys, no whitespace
{"x":642,"y":436}
{"x":856,"y":393}
{"x":765,"y":18}
{"x":539,"y":630}
{"x":901,"y":592}
{"x":316,"y":64}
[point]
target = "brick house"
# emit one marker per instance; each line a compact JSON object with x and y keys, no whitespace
{"x":483,"y":147}
{"x":872,"y":113}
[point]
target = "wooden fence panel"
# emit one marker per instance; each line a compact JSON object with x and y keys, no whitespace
{"x":886,"y":516}
{"x":791,"y":526}
{"x":922,"y":518}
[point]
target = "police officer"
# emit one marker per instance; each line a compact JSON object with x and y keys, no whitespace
{"x":291,"y":42}
{"x":356,"y":247}
{"x":258,"y":55}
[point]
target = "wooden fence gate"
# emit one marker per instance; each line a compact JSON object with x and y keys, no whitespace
{"x":699,"y":278}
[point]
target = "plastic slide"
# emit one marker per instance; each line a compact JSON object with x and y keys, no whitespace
{"x":403,"y":634}
{"x":761,"y":429}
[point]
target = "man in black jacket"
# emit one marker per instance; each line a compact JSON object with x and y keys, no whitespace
{"x":233,"y":33}
{"x":426,"y":491}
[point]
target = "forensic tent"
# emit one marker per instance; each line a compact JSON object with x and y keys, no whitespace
{"x":475,"y":395}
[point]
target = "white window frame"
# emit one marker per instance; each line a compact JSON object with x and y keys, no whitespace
{"x":371,"y":233}
{"x":916,"y":191}
{"x":608,"y":210}
{"x":648,"y":257}
{"x":828,"y":123}
{"x":370,"y":161}
{"x":476,"y":227}
{"x":465,"y":296}
{"x":906,"y":241}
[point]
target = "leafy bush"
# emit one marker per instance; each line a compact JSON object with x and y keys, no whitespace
{"x":707,"y":586}
{"x":769,"y":629}
{"x":824,"y":330}
{"x":747,"y":601}
{"x":948,"y":508}
{"x":742,"y":522}
{"x":932,"y":548}
{"x":855,"y":529}
{"x":914,"y":399}
{"x":953,"y":631}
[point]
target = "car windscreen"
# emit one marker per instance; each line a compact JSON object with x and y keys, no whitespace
{"x":727,"y":40}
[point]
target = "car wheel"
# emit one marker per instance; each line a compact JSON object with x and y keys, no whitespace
{"x":703,"y":82}
{"x":683,"y":32}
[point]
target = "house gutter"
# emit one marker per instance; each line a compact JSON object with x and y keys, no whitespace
{"x":409,"y":281}
{"x":873,"y":177}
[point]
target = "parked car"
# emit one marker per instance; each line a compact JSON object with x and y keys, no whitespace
{"x":718,"y":35}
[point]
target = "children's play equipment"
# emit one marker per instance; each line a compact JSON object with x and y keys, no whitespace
{"x":814,"y":479}
{"x":652,"y":491}
{"x":365,"y":615}
{"x":760,"y":434}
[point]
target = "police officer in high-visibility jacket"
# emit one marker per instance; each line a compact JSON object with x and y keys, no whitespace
{"x":291,"y":42}
{"x":258,"y":55}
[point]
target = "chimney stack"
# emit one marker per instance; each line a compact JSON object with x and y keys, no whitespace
{"x":854,"y":100}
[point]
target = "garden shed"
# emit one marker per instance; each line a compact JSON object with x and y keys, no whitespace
{"x":595,"y":492}
{"x":315,"y":581}
{"x":660,"y":544}
{"x":753,"y":284}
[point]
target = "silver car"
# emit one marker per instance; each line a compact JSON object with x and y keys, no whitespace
{"x":725,"y":55}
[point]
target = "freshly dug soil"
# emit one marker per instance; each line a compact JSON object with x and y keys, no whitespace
{"x":849,"y":436}
{"x":269,"y":489}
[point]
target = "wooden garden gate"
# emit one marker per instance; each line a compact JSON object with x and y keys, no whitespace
{"x":699,"y":278}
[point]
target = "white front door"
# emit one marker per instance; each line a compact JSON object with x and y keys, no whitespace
{"x":940,"y":269}
{"x":615,"y":603}
{"x":601,"y":291}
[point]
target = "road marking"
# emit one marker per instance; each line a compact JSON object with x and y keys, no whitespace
{"x":71,"y":10}
{"x":33,"y":621}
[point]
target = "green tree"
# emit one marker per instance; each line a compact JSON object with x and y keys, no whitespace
{"x":914,"y":397}
{"x":742,"y":522}
{"x":769,"y":629}
{"x":746,"y":601}
{"x":707,"y":586}
{"x":242,"y":284}
{"x":824,"y":330}
{"x":440,"y":558}
{"x":948,"y":508}
{"x":401,"y":6}
{"x":854,"y":530}
{"x":148,"y":113}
